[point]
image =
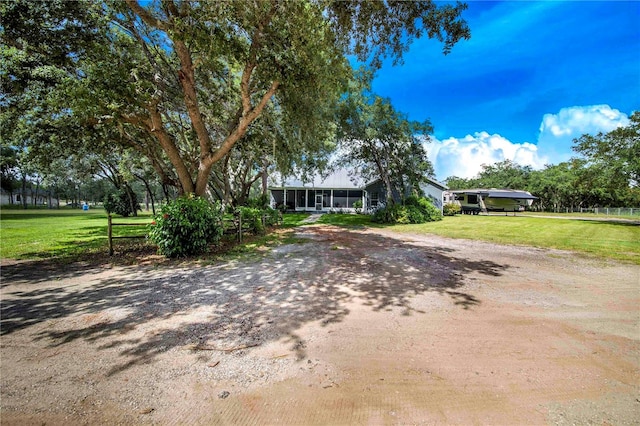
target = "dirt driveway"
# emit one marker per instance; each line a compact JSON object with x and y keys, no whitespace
{"x":344,"y":327}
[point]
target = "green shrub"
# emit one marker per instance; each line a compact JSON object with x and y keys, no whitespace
{"x":252,"y":218}
{"x":386,"y":214}
{"x":186,"y":226}
{"x":118,"y":202}
{"x":410,"y":214}
{"x":357,"y":205}
{"x":430,"y":212}
{"x":414,"y":210}
{"x":451,"y":209}
{"x":260,"y":202}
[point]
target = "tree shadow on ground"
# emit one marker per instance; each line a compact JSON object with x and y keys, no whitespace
{"x":145,"y":311}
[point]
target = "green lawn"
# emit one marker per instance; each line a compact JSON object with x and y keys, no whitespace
{"x":347,"y":220}
{"x":39,"y":234}
{"x":614,"y":240}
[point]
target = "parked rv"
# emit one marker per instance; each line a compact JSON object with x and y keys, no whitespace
{"x":474,"y":201}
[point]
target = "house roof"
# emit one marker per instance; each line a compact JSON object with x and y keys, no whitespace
{"x":497,"y":193}
{"x":340,"y":178}
{"x":433,"y":182}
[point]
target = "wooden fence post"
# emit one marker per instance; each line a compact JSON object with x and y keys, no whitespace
{"x":110,"y":234}
{"x":239,"y":227}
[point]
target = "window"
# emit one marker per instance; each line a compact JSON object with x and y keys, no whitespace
{"x":339,"y":199}
{"x":278,"y":197}
{"x":353,"y":196}
{"x":459,"y":197}
{"x":472,"y":199}
{"x":291,"y":199}
{"x":374,"y":199}
{"x":326,"y":199}
{"x":311,"y":199}
{"x":300,"y":198}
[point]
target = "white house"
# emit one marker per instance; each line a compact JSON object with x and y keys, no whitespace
{"x":432,"y":189}
{"x":339,"y":191}
{"x":42,"y":198}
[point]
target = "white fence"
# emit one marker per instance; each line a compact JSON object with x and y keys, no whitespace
{"x":609,"y":211}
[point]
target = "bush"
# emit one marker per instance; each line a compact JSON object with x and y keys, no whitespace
{"x":357,"y":205}
{"x":451,"y":209}
{"x":430,"y":212}
{"x":386,"y":214}
{"x":414,"y":210}
{"x":118,"y":202}
{"x":252,"y":218}
{"x":186,"y":226}
{"x":410,"y":214}
{"x":260,"y":202}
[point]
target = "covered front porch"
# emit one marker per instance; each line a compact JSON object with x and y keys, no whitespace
{"x":317,"y":199}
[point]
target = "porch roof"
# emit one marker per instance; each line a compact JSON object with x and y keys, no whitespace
{"x":338,"y":179}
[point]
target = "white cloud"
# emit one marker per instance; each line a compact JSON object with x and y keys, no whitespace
{"x":557,"y":131}
{"x":464,"y":157}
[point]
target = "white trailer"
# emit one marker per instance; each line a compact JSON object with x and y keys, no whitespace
{"x":474,"y":201}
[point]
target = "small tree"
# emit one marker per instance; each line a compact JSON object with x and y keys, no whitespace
{"x":121,"y":202}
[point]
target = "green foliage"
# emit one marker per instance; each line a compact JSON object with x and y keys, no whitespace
{"x":381,"y":142}
{"x":186,"y":226}
{"x":269,"y":75}
{"x":451,"y":209}
{"x":357,"y":205}
{"x":258,"y":219}
{"x":260,"y":202}
{"x":431,"y":213}
{"x":616,"y":152}
{"x":413,"y":210}
{"x":121,"y":202}
{"x":386,"y":214}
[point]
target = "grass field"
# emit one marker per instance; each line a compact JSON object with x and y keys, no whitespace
{"x":605,"y":239}
{"x":38,"y":234}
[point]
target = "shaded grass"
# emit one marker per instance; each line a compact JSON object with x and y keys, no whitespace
{"x":70,"y":235}
{"x":346,"y":220}
{"x":42,"y":234}
{"x":612,"y":240}
{"x":291,"y":220}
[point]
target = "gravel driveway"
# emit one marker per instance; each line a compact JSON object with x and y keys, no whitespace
{"x":352,"y":326}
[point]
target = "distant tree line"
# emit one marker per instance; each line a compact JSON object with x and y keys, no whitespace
{"x":605,"y":173}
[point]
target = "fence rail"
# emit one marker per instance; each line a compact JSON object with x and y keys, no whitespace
{"x":609,"y":211}
{"x":237,"y":227}
{"x":111,"y":237}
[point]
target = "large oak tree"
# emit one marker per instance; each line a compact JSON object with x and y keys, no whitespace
{"x":182,"y":82}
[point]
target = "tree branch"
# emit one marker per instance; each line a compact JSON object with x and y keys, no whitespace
{"x":147,"y":17}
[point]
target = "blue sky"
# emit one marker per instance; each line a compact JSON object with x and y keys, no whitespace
{"x":533,"y":76}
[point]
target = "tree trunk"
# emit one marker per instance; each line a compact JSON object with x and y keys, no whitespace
{"x":265,"y":177}
{"x":132,"y":204}
{"x":35,"y":197}
{"x":24,"y":192}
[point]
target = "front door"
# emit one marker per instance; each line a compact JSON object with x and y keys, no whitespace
{"x":318,"y":201}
